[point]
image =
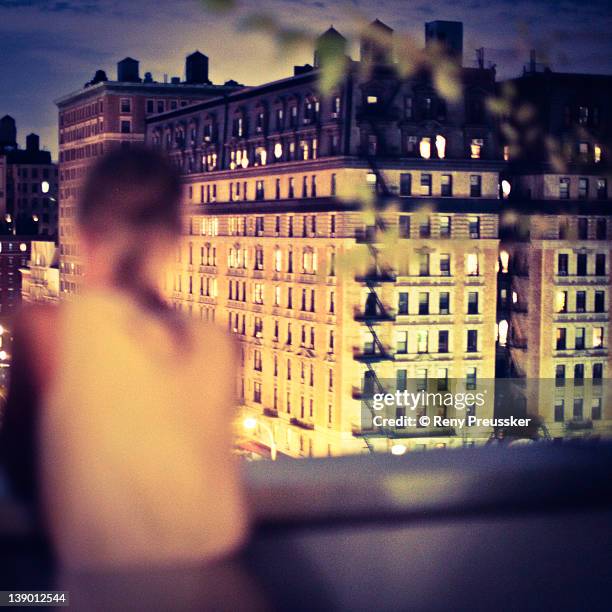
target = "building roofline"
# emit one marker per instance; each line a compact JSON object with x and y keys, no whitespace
{"x":142,"y":87}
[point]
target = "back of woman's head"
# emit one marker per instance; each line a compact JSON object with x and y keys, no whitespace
{"x":130,"y":204}
{"x":134,"y":189}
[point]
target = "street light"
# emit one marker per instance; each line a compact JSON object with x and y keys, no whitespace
{"x":251,"y":424}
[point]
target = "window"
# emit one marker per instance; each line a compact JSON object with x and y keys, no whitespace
{"x":474,"y":227}
{"x":408,"y":107}
{"x":600,"y":264}
{"x":583,"y":188}
{"x":579,"y":375}
{"x":445,"y":264}
{"x":596,"y":409}
{"x":150,"y":106}
{"x":445,"y":227}
{"x":259,"y":190}
{"x":583,"y":228}
{"x":564,"y":188}
{"x":580,"y":301}
{"x":578,"y":408}
{"x":126,"y":105}
{"x":425,"y":148}
{"x":422,"y":341}
{"x":402,"y":342}
{"x":598,"y":337}
{"x":126,"y":126}
{"x":402,"y":303}
{"x":423,"y":264}
{"x":561,"y":339}
{"x":559,"y":410}
{"x":601,"y":229}
{"x":581,"y":264}
{"x":372,"y":99}
{"x":277,"y":184}
{"x":443,"y":341}
{"x":476,"y":148}
{"x":446,"y":186}
{"x":602,"y":189}
{"x":470,"y":378}
{"x":404,"y":226}
{"x":562,"y":264}
{"x":475,"y":185}
{"x":579,"y":339}
{"x":472,"y":341}
{"x":600,"y":301}
{"x":561,"y":301}
{"x":423,"y":303}
{"x":425,"y":227}
{"x":425,"y":184}
{"x":472,"y":264}
{"x":559,"y":375}
{"x":472,"y":308}
{"x":444,"y":303}
{"x":291,"y":190}
{"x":597,"y":373}
{"x":405,"y":184}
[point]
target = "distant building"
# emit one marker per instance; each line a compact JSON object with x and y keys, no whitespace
{"x":555,"y":304}
{"x":268,"y":231}
{"x":28,"y":185}
{"x":106,"y":114}
{"x":14,"y":255}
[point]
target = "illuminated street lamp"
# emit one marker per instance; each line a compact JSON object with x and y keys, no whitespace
{"x":251,"y":424}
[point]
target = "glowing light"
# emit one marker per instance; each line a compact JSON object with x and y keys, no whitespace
{"x":1,"y":330}
{"x":504,"y":258}
{"x":278,"y":150}
{"x":506,"y":152}
{"x":35,"y":218}
{"x":249,"y":423}
{"x":370,"y":178}
{"x":514,"y":297}
{"x":597,"y":153}
{"x":398,"y":449}
{"x":3,"y":355}
{"x":503,"y":332}
{"x":441,"y":146}
{"x":475,"y":148}
{"x":245,"y":162}
{"x":425,"y":148}
{"x":23,"y":247}
{"x":372,"y":100}
{"x":506,"y":188}
{"x":44,"y":186}
{"x":560,"y":299}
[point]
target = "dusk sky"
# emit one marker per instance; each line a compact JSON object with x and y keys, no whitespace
{"x":49,"y":48}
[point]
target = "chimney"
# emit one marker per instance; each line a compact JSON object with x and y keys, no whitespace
{"x":175,"y":80}
{"x":32,"y":143}
{"x":196,"y":69}
{"x":127,"y":71}
{"x":448,"y":34}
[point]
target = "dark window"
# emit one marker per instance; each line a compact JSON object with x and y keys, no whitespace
{"x":561,"y":339}
{"x":600,"y":264}
{"x":446,"y":186}
{"x":472,"y":302}
{"x":559,"y":375}
{"x":564,"y":188}
{"x":583,"y":188}
{"x":602,"y":189}
{"x":583,"y":228}
{"x":597,"y":373}
{"x":404,"y":226}
{"x":402,"y":303}
{"x":445,"y":227}
{"x":601,"y":229}
{"x":472,"y":340}
{"x":559,"y":410}
{"x":580,"y":336}
{"x":580,"y":301}
{"x":474,"y":227}
{"x":578,"y":407}
{"x":443,"y":341}
{"x":423,"y":303}
{"x":425,"y":228}
{"x":562,"y":264}
{"x":475,"y":185}
{"x":425,"y":184}
{"x":405,"y":184}
{"x":581,"y":264}
{"x":444,"y":302}
{"x":423,"y":264}
{"x":596,"y":409}
{"x":599,"y":301}
{"x":445,"y":265}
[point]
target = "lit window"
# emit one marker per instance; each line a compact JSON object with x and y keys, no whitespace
{"x":425,"y":148}
{"x":476,"y":148}
{"x":278,"y":150}
{"x":597,"y":153}
{"x":504,"y":258}
{"x":597,"y":337}
{"x":441,"y":146}
{"x":506,"y":188}
{"x":372,"y":99}
{"x":503,"y":332}
{"x":506,"y":152}
{"x":472,"y":264}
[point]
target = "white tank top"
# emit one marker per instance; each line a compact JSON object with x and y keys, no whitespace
{"x":136,"y":463}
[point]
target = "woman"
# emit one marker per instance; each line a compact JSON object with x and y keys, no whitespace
{"x":118,"y":422}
